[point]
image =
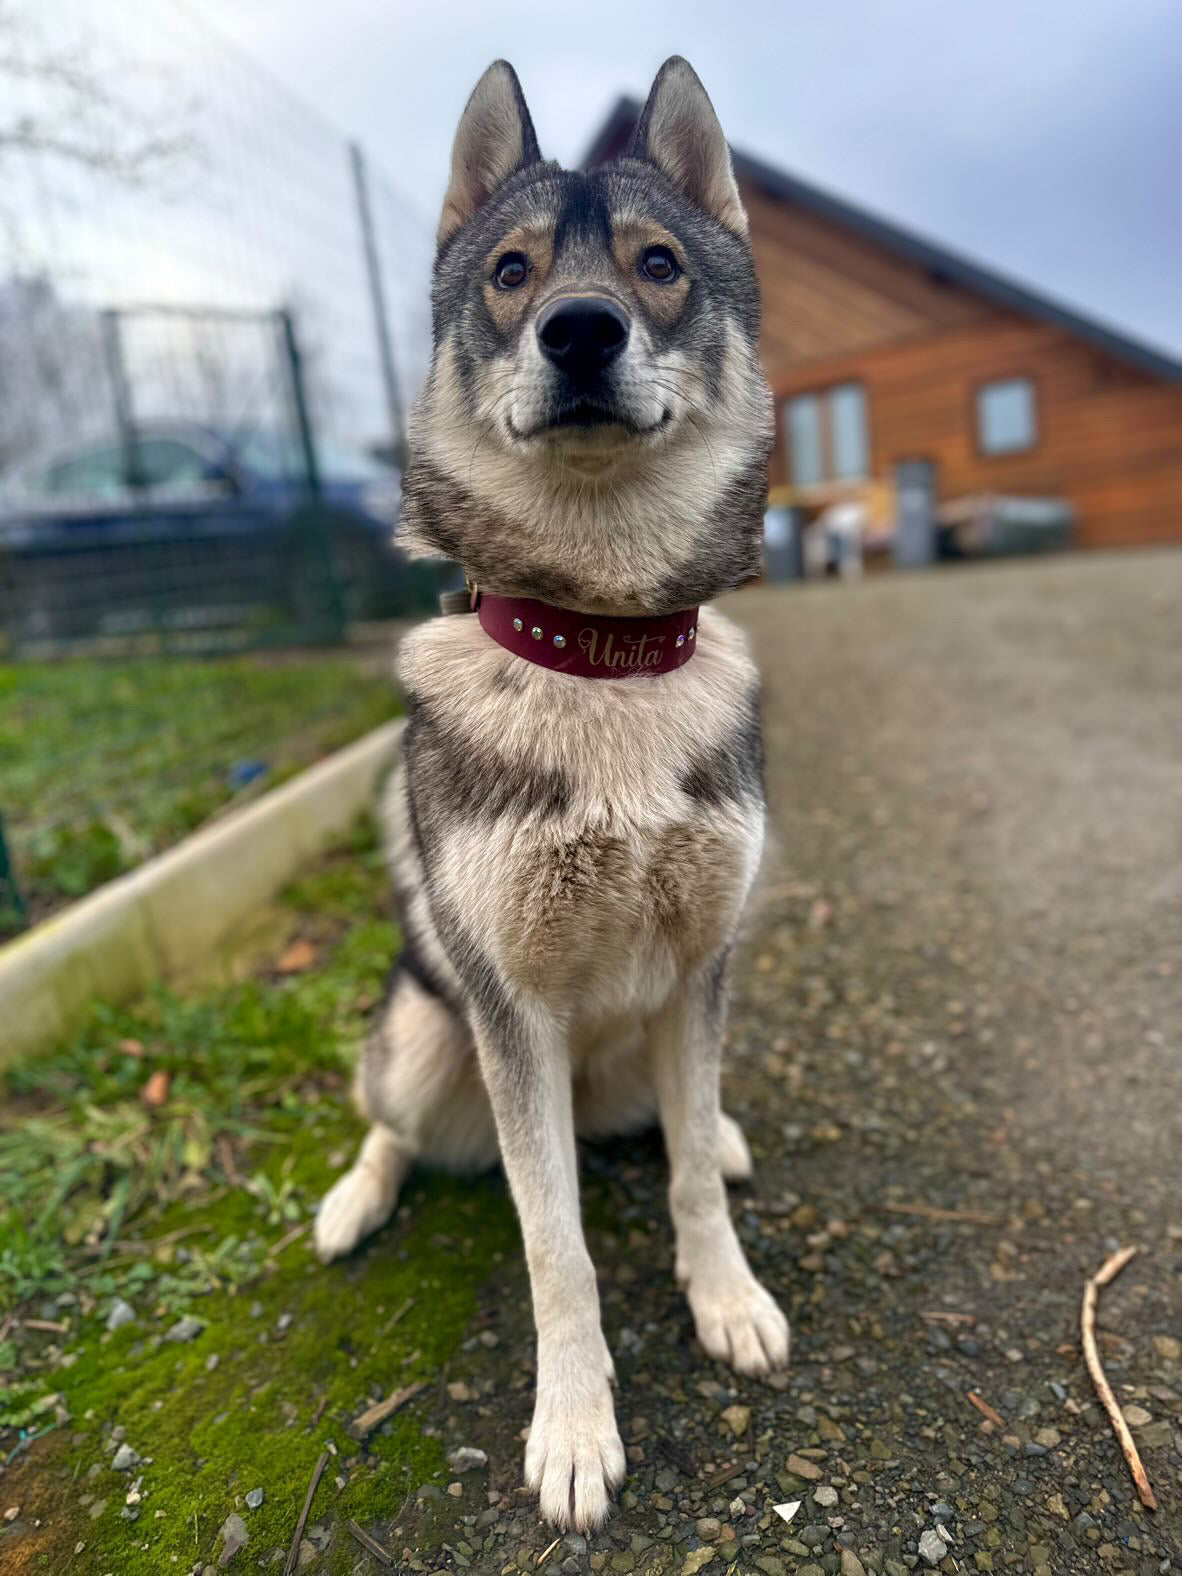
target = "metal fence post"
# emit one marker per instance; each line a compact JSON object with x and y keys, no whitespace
{"x":377,"y":296}
{"x":13,"y":913}
{"x":121,"y":396}
{"x":312,"y":482}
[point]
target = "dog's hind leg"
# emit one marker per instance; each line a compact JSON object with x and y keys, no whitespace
{"x":418,"y":1084}
{"x":616,"y":1095}
{"x":365,"y":1196}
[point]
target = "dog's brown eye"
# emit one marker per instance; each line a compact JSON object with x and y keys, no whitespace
{"x":659,"y":264}
{"x":511,"y":271}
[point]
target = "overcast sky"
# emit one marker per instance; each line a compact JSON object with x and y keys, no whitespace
{"x":1041,"y":136}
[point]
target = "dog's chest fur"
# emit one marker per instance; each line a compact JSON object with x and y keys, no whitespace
{"x":589,"y":842}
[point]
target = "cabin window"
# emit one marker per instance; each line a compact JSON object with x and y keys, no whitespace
{"x":805,"y":458}
{"x":1006,"y":422}
{"x":827,"y":436}
{"x":847,"y":432}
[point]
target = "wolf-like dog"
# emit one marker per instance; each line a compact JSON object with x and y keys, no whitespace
{"x":570,"y":855}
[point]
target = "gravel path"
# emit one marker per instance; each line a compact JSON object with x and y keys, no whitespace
{"x":961,"y":993}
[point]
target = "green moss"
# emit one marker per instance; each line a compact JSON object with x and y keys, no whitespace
{"x":212,"y":1436}
{"x":182,"y":1209}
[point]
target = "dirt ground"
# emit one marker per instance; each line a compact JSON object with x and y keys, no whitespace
{"x":961,"y":992}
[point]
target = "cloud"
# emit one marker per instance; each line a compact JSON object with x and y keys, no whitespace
{"x":1040,"y":136}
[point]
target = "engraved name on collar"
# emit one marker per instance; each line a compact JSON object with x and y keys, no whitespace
{"x":629,"y":652}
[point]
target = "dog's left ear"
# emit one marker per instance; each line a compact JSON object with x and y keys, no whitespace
{"x":679,"y":132}
{"x":495,"y":139}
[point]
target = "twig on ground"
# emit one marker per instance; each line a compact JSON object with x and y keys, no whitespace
{"x":546,"y":1553}
{"x":399,"y":1313}
{"x":6,"y":1324}
{"x":319,"y":1412}
{"x":288,"y":1238}
{"x":985,"y":1409}
{"x":371,"y":1545}
{"x":226,"y":1156}
{"x":971,"y":1217}
{"x":50,"y":1325}
{"x":364,"y":1424}
{"x":937,"y":1316}
{"x":720,"y":1478}
{"x":1109,"y":1270}
{"x":150,"y":1244}
{"x":293,"y":1552}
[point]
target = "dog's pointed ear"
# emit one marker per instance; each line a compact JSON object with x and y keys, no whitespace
{"x":679,"y":132}
{"x":495,"y":138}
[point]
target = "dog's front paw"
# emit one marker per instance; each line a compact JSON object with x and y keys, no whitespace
{"x":574,"y":1458}
{"x":353,"y":1207}
{"x":740,"y":1324}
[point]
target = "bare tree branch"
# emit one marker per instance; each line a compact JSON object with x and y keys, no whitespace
{"x":128,"y":165}
{"x":78,"y":111}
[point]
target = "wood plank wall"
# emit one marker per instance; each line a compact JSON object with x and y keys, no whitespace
{"x":837,"y":308}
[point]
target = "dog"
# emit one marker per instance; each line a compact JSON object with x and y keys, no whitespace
{"x":578,"y":816}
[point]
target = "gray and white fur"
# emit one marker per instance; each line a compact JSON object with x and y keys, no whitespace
{"x":571,"y":856}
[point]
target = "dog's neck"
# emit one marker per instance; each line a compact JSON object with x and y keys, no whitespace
{"x":672,"y":527}
{"x":638,"y":550}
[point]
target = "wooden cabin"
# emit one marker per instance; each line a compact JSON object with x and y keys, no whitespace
{"x":883,"y":348}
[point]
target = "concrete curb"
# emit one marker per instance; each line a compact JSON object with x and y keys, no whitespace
{"x":174,"y":911}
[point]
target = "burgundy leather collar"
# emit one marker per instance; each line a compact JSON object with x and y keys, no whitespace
{"x":588,"y":645}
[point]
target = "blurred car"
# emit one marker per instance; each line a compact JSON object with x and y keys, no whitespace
{"x":210,"y":529}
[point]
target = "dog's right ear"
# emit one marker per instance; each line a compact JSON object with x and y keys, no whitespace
{"x":495,"y":138}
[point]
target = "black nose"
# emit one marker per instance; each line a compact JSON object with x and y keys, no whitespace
{"x":582,"y":334}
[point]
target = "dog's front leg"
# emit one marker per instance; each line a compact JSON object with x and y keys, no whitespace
{"x":574,"y":1457}
{"x":736,"y":1319}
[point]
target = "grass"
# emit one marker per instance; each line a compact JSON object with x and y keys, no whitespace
{"x":103,"y":764}
{"x":82,"y":1155}
{"x":194,"y":1206}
